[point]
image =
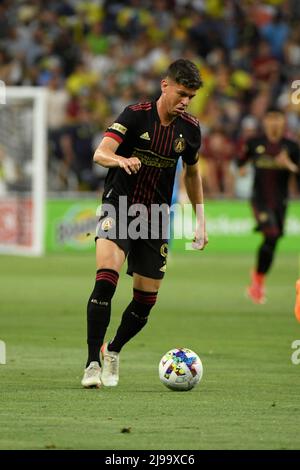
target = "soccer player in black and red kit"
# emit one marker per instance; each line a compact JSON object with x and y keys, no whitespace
{"x":274,"y":158}
{"x":141,"y":149}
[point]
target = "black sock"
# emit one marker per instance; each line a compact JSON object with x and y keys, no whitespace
{"x":134,"y":318}
{"x":266,"y":254}
{"x":98,"y":311}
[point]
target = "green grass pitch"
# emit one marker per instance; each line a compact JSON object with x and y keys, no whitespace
{"x":248,"y":397}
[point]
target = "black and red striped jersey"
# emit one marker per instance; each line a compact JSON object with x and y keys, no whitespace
{"x":271,"y":182}
{"x":140,"y":133}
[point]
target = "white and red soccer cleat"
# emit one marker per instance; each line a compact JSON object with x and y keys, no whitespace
{"x":256,"y":291}
{"x":110,"y":367}
{"x":92,"y":376}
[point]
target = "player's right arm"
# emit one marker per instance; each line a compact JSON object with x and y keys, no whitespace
{"x":105,"y":155}
{"x":243,"y":158}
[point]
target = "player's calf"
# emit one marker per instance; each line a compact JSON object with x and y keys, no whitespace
{"x":133,"y":320}
{"x":99,"y":311}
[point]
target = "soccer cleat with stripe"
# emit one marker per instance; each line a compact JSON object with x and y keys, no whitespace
{"x":110,"y":367}
{"x":256,"y":294}
{"x":256,"y":291}
{"x":92,"y":376}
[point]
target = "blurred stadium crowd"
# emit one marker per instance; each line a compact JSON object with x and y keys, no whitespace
{"x":97,"y":56}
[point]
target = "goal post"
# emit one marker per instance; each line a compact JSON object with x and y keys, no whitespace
{"x":23,"y":156}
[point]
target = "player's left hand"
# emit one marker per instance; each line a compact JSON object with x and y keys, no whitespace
{"x":201,"y":239}
{"x":283,"y":161}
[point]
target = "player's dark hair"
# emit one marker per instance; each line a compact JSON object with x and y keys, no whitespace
{"x":274,"y":109}
{"x":184,"y":72}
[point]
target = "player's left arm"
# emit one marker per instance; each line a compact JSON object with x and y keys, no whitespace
{"x":284,"y":161}
{"x":194,"y":189}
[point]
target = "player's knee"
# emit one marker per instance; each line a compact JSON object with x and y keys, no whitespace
{"x":105,"y":285}
{"x":142,"y":304}
{"x":108,"y":253}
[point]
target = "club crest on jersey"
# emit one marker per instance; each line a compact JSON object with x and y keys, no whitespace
{"x":107,"y":224}
{"x":179,"y":144}
{"x":260,"y":149}
{"x":164,"y":250}
{"x":263,"y":217}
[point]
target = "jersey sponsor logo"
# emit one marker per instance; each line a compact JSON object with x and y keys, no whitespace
{"x":107,"y":224}
{"x":179,"y":144}
{"x":116,"y":126}
{"x":149,"y":158}
{"x":145,"y":136}
{"x":267,"y":162}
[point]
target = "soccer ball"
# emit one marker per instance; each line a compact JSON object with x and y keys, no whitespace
{"x":180,"y":369}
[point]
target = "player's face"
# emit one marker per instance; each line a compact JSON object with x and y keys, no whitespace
{"x":176,"y":97}
{"x":274,"y":125}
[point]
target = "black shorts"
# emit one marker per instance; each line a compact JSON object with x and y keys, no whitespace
{"x":270,"y":221}
{"x":146,"y":254}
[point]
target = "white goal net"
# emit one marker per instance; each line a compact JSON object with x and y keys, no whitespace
{"x":22,"y":170}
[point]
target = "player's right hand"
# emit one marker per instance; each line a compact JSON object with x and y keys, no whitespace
{"x":130,"y":165}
